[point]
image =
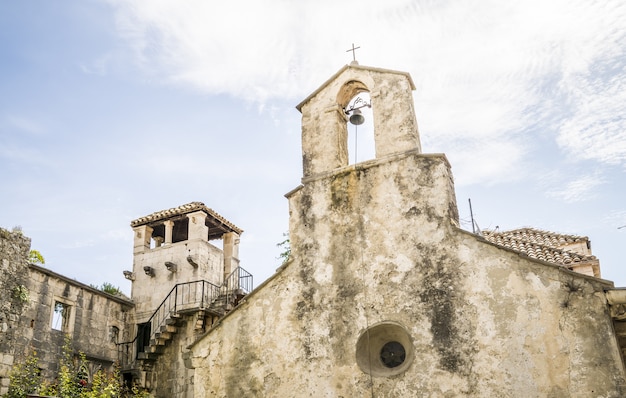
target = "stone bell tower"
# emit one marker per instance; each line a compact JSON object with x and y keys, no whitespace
{"x":173,"y":247}
{"x":357,"y":230}
{"x":367,"y":211}
{"x":324,"y":129}
{"x":384,"y":294}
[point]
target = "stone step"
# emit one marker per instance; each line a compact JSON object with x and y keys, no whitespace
{"x":620,"y":328}
{"x":147,"y":356}
{"x":154,"y":349}
{"x":158,"y":341}
{"x":168,"y":329}
{"x":163,"y":335}
{"x":175,"y":321}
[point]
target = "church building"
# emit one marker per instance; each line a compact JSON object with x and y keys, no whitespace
{"x":383,"y":294}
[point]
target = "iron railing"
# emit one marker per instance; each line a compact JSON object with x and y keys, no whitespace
{"x":236,"y":285}
{"x":239,"y":281}
{"x":187,"y":296}
{"x":183,"y":296}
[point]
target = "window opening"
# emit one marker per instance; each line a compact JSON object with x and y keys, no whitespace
{"x":180,"y":230}
{"x":83,"y":376}
{"x":61,"y":316}
{"x":360,"y":136}
{"x":115,"y":333}
{"x":392,"y":354}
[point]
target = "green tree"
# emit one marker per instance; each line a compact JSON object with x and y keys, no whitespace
{"x":25,"y":378}
{"x":109,"y":288}
{"x":285,"y":246}
{"x":34,"y":257}
{"x":71,"y":381}
{"x":105,"y":385}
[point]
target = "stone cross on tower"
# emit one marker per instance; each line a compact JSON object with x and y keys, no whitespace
{"x":353,"y":49}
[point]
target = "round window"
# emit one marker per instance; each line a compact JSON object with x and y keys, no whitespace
{"x":392,"y":354}
{"x":384,"y":349}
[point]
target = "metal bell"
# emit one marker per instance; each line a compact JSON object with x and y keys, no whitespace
{"x":356,"y":118}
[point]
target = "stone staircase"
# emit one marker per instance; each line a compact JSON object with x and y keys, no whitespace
{"x":199,"y":302}
{"x":164,"y":336}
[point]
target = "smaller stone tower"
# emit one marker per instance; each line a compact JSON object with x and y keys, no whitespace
{"x":173,"y":247}
{"x":181,"y":285}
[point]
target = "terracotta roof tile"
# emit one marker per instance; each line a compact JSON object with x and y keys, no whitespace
{"x":542,"y":245}
{"x":214,"y":217}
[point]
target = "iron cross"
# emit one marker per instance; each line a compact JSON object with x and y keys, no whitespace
{"x":353,"y":49}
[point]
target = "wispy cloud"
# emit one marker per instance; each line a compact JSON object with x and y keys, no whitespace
{"x":484,"y":70}
{"x":580,"y":189}
{"x":15,"y":124}
{"x":99,"y":66}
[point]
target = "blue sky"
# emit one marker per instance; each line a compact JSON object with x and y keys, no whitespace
{"x":111,"y":110}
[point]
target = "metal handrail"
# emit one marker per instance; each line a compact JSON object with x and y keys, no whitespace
{"x":183,"y":296}
{"x":190,"y":296}
{"x":238,"y":280}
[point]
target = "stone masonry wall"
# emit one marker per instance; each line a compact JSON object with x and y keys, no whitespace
{"x":169,"y":376}
{"x":96,"y":321}
{"x":149,"y":291}
{"x":14,"y":249}
{"x":377,"y":245}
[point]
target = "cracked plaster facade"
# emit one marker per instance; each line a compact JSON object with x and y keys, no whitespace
{"x":377,"y":256}
{"x":377,"y":246}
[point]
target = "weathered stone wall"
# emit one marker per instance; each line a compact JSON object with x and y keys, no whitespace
{"x":324,"y":130}
{"x":14,"y":249}
{"x":93,"y":315}
{"x":377,"y":245}
{"x":170,"y":377}
{"x":26,"y":320}
{"x":149,"y":291}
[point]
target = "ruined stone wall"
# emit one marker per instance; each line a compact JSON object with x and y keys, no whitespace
{"x":376,"y":248}
{"x":14,"y":249}
{"x":96,"y":321}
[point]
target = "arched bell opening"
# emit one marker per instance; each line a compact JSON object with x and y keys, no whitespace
{"x":356,"y":104}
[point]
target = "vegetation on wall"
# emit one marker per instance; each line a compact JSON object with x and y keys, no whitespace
{"x":108,"y":288}
{"x":21,"y":293}
{"x":24,"y":378}
{"x":35,"y":257}
{"x":72,"y":380}
{"x":285,"y":246}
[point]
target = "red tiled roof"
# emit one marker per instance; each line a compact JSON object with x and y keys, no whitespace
{"x":542,"y":245}
{"x":213,"y":217}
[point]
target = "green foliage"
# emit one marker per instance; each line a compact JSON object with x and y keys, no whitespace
{"x":21,"y":293}
{"x":34,"y":257}
{"x":285,"y":245}
{"x":24,"y":378}
{"x":70,"y":383}
{"x":108,"y":288}
{"x":137,"y":392}
{"x":105,"y":385}
{"x":72,"y":380}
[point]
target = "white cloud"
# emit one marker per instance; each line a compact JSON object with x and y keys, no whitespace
{"x":98,"y":66}
{"x":582,"y":188}
{"x":597,"y":127}
{"x":20,"y":124}
{"x":117,"y":234}
{"x":484,"y":70}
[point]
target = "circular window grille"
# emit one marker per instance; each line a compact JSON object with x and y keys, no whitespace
{"x":384,"y":349}
{"x":392,"y":354}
